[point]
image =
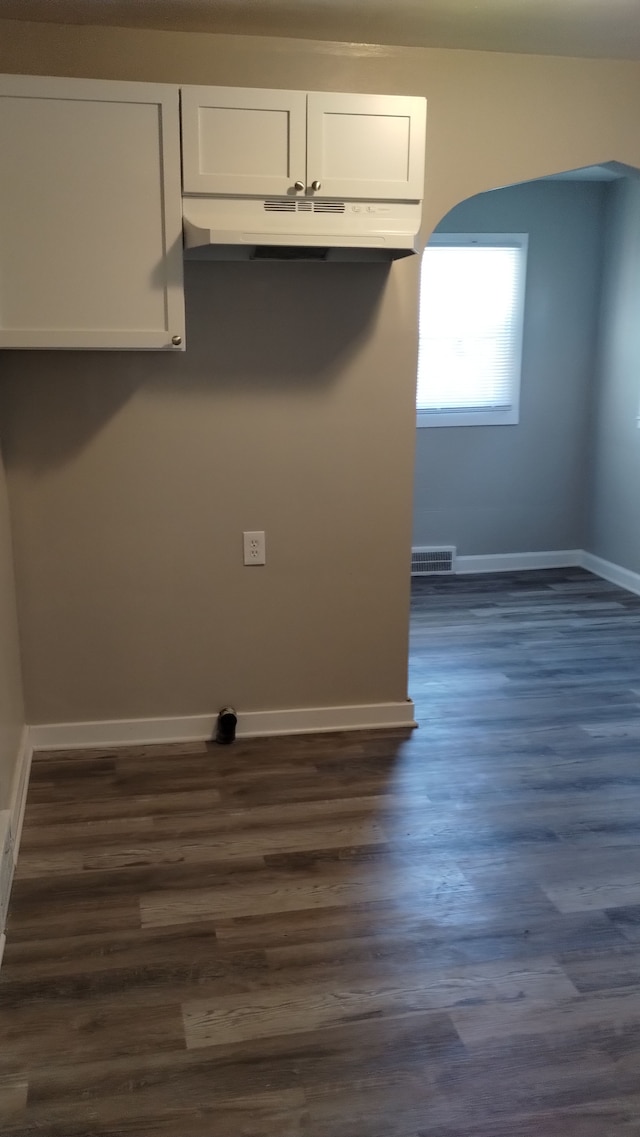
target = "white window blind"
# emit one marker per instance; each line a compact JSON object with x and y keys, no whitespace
{"x":470,"y":343}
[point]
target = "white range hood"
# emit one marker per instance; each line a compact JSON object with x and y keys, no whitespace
{"x":293,"y":228}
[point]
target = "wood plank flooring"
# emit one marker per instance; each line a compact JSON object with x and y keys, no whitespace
{"x":394,"y":934}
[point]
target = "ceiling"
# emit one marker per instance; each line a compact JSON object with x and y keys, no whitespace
{"x":591,"y":28}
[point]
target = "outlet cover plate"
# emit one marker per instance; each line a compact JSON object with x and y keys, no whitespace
{"x":254,"y":547}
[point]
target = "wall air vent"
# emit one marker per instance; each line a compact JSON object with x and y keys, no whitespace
{"x":305,"y":206}
{"x":433,"y":561}
{"x":329,"y":207}
{"x":280,"y":205}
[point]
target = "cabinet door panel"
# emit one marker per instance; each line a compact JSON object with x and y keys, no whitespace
{"x":366,"y":146}
{"x":90,"y":215}
{"x":242,"y":141}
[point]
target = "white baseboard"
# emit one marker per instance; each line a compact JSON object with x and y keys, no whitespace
{"x":6,"y":866}
{"x":519,"y":562}
{"x":19,"y":789}
{"x":558,"y":558}
{"x":196,"y":728}
{"x":609,"y":571}
{"x":11,"y":821}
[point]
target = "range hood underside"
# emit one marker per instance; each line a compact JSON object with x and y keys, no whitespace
{"x":265,"y":249}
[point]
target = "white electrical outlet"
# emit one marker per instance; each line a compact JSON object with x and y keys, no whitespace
{"x":254,"y":548}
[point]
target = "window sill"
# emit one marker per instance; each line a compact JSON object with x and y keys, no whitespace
{"x":468,"y":418}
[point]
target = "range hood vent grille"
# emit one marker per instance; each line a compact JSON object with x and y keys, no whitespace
{"x":280,"y":205}
{"x":304,"y":205}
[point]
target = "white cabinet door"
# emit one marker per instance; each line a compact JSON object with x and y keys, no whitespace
{"x":237,"y":140}
{"x":90,"y":215}
{"x":366,"y":146}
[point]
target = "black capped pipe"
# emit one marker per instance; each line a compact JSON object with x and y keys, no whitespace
{"x":226,"y":726}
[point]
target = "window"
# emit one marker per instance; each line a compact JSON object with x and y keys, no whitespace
{"x":470,"y":343}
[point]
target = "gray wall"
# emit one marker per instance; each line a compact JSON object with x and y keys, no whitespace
{"x":614,"y":529}
{"x":11,"y":706}
{"x":132,"y":475}
{"x":511,"y":489}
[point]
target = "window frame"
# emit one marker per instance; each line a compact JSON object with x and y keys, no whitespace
{"x":509,"y":416}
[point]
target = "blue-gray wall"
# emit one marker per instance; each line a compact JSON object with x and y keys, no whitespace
{"x":512,"y":489}
{"x":614,"y":524}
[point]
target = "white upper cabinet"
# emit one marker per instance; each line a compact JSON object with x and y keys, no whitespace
{"x":366,"y":146}
{"x":263,"y":143}
{"x":237,"y":141}
{"x":90,"y":215}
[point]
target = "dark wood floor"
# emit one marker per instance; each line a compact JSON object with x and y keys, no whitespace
{"x":428,"y":934}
